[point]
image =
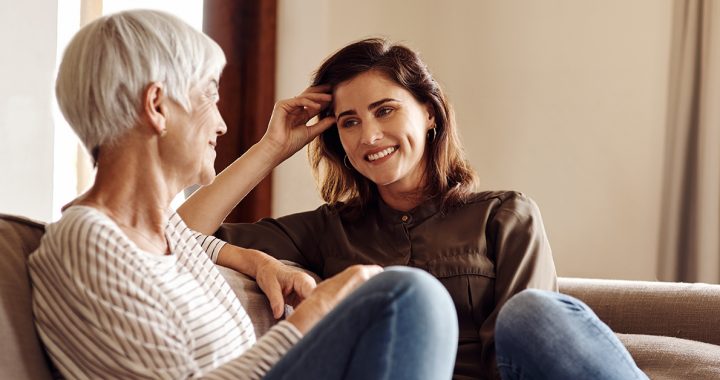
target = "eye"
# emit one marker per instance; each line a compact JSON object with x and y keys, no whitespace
{"x":212,"y":95}
{"x":347,"y":123}
{"x":383,"y":111}
{"x":213,"y":91}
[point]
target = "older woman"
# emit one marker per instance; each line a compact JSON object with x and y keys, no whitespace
{"x":400,"y":192}
{"x":124,"y":289}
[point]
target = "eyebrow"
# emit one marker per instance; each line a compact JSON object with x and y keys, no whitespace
{"x":371,"y":107}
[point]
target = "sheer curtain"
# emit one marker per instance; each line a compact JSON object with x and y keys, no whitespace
{"x":690,"y":224}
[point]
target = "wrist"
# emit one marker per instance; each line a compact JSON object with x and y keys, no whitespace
{"x":308,"y":313}
{"x":272,"y":150}
{"x":260,"y":261}
{"x":243,"y":260}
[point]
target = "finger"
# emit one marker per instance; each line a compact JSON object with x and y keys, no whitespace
{"x":326,"y":88}
{"x":318,"y":97}
{"x":304,"y":286}
{"x":316,"y":103}
{"x":372,"y":270}
{"x":274,"y":294}
{"x":320,"y":126}
{"x":298,"y":103}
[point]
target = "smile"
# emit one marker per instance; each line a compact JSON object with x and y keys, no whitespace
{"x":383,"y":153}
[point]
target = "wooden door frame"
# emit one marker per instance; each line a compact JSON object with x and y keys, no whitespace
{"x":246,"y":31}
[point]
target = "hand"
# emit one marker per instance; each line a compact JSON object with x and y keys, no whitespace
{"x":329,"y":293}
{"x":283,"y":284}
{"x":288,"y":131}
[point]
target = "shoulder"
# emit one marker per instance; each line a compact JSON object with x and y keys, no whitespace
{"x":81,"y":225}
{"x":80,"y":234}
{"x":83,"y":252}
{"x":505,"y":203}
{"x":319,"y":215}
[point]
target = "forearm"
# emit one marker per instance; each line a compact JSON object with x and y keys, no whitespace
{"x":208,"y":207}
{"x":245,"y":261}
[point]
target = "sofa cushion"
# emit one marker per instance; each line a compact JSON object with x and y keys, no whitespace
{"x":662,"y":357}
{"x":22,"y":356}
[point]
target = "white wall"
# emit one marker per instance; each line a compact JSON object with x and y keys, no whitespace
{"x":28,"y":39}
{"x":564,"y":100}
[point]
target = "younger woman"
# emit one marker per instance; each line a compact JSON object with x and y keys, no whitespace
{"x":399,"y":191}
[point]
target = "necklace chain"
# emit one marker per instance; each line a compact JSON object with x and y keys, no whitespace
{"x":163,"y":248}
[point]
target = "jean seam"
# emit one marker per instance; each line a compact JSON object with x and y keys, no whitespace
{"x":509,"y":365}
{"x":591,"y":317}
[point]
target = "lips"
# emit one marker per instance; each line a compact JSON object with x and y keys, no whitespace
{"x":374,"y":156}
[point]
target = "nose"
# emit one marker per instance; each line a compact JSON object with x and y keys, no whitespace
{"x":222,"y":127}
{"x":371,"y":133}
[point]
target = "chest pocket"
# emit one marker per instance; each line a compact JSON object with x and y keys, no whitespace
{"x":461,"y":261}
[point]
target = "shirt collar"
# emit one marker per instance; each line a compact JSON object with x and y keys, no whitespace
{"x":417,"y":215}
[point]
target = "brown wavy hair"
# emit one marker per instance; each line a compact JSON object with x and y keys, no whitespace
{"x":448,"y":174}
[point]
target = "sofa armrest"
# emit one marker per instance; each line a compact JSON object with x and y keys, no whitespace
{"x":682,"y":310}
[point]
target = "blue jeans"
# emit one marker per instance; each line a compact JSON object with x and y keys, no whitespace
{"x":547,"y":335}
{"x":401,"y":324}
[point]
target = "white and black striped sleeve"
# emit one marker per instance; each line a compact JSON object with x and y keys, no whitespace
{"x":210,"y":244}
{"x":257,"y":361}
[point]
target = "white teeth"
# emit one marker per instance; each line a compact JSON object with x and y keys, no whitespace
{"x":381,"y":154}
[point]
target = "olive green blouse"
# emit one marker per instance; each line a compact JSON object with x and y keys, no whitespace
{"x":483,"y":252}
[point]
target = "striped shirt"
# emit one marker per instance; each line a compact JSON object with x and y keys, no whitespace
{"x":106,"y":309}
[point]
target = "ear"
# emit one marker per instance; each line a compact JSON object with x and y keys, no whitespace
{"x":154,"y":107}
{"x":430,"y":115}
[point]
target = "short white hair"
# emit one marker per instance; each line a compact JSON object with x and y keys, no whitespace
{"x":110,"y":62}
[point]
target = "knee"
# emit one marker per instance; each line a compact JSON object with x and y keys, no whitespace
{"x":423,"y":292}
{"x":418,"y":283}
{"x":521,"y":314}
{"x":526,"y":303}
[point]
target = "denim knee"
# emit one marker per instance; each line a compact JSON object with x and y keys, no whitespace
{"x":425,"y":293}
{"x":425,"y":287}
{"x":518,"y":317}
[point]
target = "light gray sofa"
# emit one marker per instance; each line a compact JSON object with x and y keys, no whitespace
{"x":671,"y":329}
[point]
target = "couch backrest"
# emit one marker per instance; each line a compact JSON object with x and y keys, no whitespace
{"x":681,"y":310}
{"x":21,"y":355}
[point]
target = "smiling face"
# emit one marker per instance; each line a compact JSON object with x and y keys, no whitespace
{"x":192,"y":136}
{"x":383,"y":131}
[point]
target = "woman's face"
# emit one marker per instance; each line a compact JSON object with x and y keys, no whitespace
{"x":383,"y":131}
{"x":192,"y":136}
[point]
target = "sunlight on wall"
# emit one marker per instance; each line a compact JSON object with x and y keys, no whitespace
{"x":66,"y":143}
{"x":67,"y":173}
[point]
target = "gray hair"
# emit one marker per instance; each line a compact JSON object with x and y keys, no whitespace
{"x":109,"y":63}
